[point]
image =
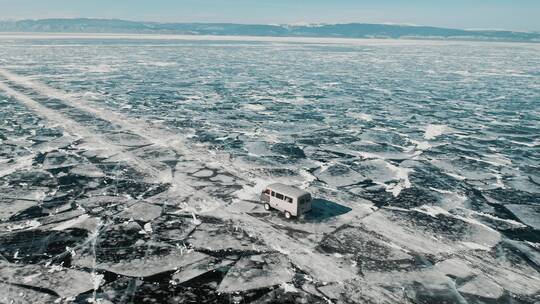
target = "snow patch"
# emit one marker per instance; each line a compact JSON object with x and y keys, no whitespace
{"x":195,"y":221}
{"x":158,"y":63}
{"x":25,"y":225}
{"x":431,"y":210}
{"x":423,"y":145}
{"x":73,"y":222}
{"x":148,"y":227}
{"x":100,"y":68}
{"x":288,"y":288}
{"x":402,"y":175}
{"x":433,"y":131}
{"x":475,"y":246}
{"x":252,"y":192}
{"x":360,"y":116}
{"x":254,"y":107}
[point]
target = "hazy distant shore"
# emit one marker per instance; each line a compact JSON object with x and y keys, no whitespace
{"x":332,"y":31}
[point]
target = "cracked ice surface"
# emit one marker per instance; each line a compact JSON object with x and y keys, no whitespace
{"x":131,"y":173}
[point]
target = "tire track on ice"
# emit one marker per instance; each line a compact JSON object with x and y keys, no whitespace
{"x":79,"y":130}
{"x":154,"y":135}
{"x":318,"y":265}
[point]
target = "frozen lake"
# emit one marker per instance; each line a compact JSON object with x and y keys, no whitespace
{"x":131,"y":166}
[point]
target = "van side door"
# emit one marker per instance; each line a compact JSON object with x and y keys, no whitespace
{"x":274,"y":202}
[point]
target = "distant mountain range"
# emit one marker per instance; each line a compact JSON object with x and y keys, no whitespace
{"x":351,"y":30}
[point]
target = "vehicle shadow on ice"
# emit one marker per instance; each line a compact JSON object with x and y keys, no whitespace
{"x":322,"y":210}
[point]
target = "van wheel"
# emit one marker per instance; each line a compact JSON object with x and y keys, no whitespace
{"x":267,"y":207}
{"x":287,"y":215}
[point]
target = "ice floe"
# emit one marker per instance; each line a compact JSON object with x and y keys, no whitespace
{"x":257,"y":271}
{"x":65,"y":282}
{"x":433,"y":131}
{"x":527,"y":214}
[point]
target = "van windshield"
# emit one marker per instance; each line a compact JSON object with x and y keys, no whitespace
{"x":304,"y":199}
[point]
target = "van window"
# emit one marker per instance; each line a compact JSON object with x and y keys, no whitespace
{"x":288,"y":199}
{"x":273,"y":193}
{"x":279,"y":196}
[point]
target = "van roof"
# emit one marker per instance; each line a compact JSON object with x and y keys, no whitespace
{"x":287,"y":190}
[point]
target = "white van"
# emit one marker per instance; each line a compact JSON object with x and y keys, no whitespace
{"x":292,"y":201}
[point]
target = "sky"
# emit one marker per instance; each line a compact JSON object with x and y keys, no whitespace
{"x":520,"y":15}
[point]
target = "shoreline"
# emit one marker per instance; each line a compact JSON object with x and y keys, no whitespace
{"x":238,"y":38}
